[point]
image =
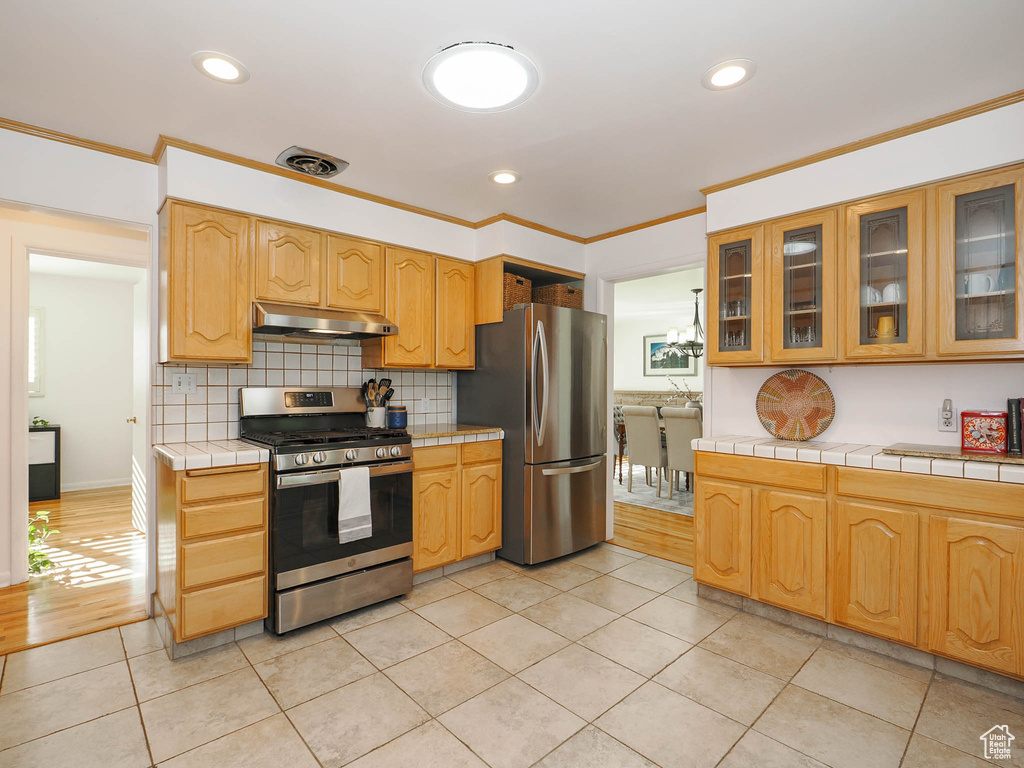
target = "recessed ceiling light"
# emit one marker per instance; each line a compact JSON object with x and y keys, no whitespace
{"x":504,"y":177}
{"x":480,"y":77}
{"x":220,"y":67}
{"x":728,"y":74}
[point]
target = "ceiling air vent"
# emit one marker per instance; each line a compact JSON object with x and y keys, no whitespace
{"x":311,"y":163}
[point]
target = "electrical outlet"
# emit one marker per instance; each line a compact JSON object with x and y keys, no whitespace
{"x":183,"y":383}
{"x":948,"y":420}
{"x":424,"y":405}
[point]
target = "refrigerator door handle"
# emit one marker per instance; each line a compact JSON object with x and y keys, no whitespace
{"x":544,"y":399}
{"x":573,"y":470}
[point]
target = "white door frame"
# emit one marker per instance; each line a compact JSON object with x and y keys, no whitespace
{"x":67,"y":246}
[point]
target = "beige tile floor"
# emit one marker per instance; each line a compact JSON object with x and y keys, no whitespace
{"x":603,"y":660}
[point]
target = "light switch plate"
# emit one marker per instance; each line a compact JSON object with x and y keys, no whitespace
{"x":183,"y":383}
{"x":424,"y":405}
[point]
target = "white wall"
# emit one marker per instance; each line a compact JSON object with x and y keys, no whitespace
{"x":649,"y":306}
{"x":88,"y":367}
{"x":875,"y":404}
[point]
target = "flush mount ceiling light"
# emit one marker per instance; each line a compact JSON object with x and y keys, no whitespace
{"x":220,"y":67}
{"x":728,"y":74}
{"x":480,"y":77}
{"x":504,"y":177}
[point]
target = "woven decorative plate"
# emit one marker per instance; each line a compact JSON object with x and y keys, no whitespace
{"x":795,"y":405}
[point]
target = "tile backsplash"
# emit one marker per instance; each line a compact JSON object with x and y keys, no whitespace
{"x":212,"y":413}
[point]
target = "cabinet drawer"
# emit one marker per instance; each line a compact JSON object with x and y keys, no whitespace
{"x":206,"y":485}
{"x":749,"y":469}
{"x":477,"y":452}
{"x":435,"y":456}
{"x":208,"y":561}
{"x":229,"y":605}
{"x":222,"y":518}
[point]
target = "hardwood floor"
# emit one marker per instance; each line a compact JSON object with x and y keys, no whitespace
{"x":654,"y":532}
{"x":98,"y":580}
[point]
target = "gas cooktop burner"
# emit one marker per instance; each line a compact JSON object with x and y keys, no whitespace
{"x":323,"y":436}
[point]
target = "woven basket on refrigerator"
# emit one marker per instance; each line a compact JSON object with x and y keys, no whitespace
{"x":559,"y":296}
{"x":517,"y":291}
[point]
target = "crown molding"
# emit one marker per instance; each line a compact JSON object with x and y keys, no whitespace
{"x":646,"y":224}
{"x":75,"y":141}
{"x":879,"y":138}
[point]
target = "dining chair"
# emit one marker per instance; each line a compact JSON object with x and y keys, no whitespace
{"x":644,"y":436}
{"x":682,"y":425}
{"x":620,"y":438}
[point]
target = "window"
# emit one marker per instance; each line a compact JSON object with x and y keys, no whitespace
{"x":36,"y":349}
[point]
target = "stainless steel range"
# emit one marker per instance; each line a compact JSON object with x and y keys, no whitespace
{"x":320,"y":565}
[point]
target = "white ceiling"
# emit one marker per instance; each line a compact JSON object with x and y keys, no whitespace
{"x":619,"y":132}
{"x":64,"y":266}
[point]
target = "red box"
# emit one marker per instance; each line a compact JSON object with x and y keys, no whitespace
{"x":983,"y":431}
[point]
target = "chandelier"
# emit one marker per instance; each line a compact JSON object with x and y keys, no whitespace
{"x":692,"y":340}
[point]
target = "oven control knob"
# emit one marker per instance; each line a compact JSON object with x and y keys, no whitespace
{"x":319,"y":457}
{"x":381,"y":453}
{"x":301,"y":459}
{"x":396,"y":451}
{"x":350,"y":454}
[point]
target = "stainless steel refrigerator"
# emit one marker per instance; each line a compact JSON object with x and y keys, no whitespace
{"x":541,"y":375}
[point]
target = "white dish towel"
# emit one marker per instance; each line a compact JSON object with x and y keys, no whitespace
{"x":354,"y":521}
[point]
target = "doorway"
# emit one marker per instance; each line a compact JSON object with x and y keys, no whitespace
{"x":653,"y":369}
{"x":87,"y":365}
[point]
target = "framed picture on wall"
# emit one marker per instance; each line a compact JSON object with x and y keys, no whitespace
{"x":664,"y":359}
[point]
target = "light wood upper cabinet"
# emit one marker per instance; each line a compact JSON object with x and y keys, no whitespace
{"x":980,"y":281}
{"x":435,"y":518}
{"x":977,"y":592}
{"x":481,"y":509}
{"x":722,"y":535}
{"x":875,"y":570}
{"x":410,"y":304}
{"x":884,"y":311}
{"x":287,"y":263}
{"x":801,"y":276}
{"x":791,"y":545}
{"x":735,"y":293}
{"x":355,"y":274}
{"x":205,"y":260}
{"x":455,"y":341}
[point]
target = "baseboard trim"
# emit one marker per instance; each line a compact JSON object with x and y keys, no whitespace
{"x":95,"y":485}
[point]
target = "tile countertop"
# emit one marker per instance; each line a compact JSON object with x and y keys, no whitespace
{"x":219,"y":453}
{"x":426,"y":431}
{"x":858,"y":455}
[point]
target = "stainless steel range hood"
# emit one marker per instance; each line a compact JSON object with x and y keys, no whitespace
{"x":319,"y":324}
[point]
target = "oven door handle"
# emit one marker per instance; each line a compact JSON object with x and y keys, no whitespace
{"x":333,"y":475}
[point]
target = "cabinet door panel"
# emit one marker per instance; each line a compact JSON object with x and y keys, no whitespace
{"x":802,"y":276}
{"x":456,"y":327}
{"x":287,"y":263}
{"x":481,"y":509}
{"x":884,"y":254}
{"x":208,"y":285}
{"x":355,"y":274}
{"x":410,"y":304}
{"x":977,"y":592}
{"x":981,"y":283}
{"x":791,"y":552}
{"x":722,"y":517}
{"x":435,"y":537}
{"x":875,"y":574}
{"x":735,"y":306}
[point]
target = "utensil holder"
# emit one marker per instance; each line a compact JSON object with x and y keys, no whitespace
{"x":376,"y":416}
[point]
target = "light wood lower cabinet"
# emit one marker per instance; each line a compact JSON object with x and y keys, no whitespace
{"x":456,"y":503}
{"x":211,"y":547}
{"x":790,"y":549}
{"x":722,"y":535}
{"x":977,"y":592}
{"x":932,"y":562}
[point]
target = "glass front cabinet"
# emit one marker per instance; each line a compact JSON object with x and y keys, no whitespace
{"x":884,"y":255}
{"x":802,"y":288}
{"x":735,"y":285}
{"x":981,"y":284}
